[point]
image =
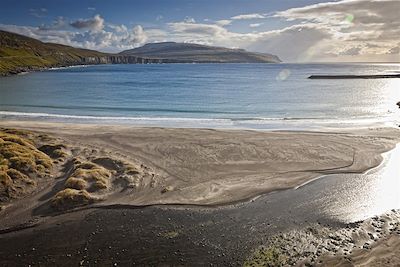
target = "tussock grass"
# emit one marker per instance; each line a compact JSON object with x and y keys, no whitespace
{"x":55,"y":151}
{"x":269,"y":257}
{"x":71,"y":198}
{"x":21,"y":163}
{"x":95,"y":176}
{"x":76,"y":183}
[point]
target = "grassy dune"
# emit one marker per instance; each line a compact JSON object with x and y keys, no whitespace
{"x":21,"y":164}
{"x":28,"y":159}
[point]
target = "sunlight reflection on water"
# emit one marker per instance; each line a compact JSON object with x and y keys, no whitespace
{"x":366,"y":195}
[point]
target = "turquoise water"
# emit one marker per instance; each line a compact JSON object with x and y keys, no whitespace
{"x":261,"y":96}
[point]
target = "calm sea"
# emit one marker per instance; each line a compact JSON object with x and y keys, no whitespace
{"x":260,"y":96}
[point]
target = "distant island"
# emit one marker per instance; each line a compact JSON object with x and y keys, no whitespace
{"x":20,"y":53}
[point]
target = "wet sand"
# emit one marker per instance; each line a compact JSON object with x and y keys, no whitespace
{"x":199,"y":167}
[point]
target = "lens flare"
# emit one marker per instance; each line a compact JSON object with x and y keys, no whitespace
{"x":283,"y":75}
{"x":349,"y":18}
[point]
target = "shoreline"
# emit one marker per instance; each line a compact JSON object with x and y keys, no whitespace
{"x":151,"y":61}
{"x":262,"y":124}
{"x":32,"y":69}
{"x":385,"y":155}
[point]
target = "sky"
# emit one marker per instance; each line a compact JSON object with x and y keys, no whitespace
{"x":295,"y":30}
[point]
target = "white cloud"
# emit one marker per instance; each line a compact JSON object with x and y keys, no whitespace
{"x":224,"y":22}
{"x":138,"y":35}
{"x":255,"y":25}
{"x":198,"y":32}
{"x":352,"y":51}
{"x":118,"y":28}
{"x":39,"y":12}
{"x":249,"y":16}
{"x":352,"y":24}
{"x":57,"y":24}
{"x":394,"y":50}
{"x":113,"y":38}
{"x":278,"y":42}
{"x":96,"y":23}
{"x":189,"y":20}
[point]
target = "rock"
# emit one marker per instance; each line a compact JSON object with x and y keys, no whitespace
{"x":167,"y":189}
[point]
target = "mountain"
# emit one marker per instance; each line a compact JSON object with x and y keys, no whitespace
{"x":19,"y":53}
{"x":195,"y":53}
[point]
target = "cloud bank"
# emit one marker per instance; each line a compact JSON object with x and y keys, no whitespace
{"x":91,"y":33}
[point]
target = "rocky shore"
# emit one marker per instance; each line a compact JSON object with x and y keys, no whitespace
{"x":324,"y":245}
{"x":93,"y":60}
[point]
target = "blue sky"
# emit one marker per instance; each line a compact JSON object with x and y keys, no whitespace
{"x":139,"y":11}
{"x":295,"y":30}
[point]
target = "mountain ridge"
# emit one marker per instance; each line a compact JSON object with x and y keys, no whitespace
{"x":198,"y":53}
{"x":19,"y":53}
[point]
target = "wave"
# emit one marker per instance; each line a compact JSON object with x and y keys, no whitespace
{"x":68,"y":67}
{"x":106,"y":118}
{"x":244,"y":122}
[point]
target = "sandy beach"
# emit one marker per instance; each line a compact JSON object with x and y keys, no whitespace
{"x":141,"y":167}
{"x":208,"y":167}
{"x":200,"y":133}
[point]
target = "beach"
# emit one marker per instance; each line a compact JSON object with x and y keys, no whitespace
{"x":210,"y":167}
{"x":174,"y":177}
{"x":194,"y":133}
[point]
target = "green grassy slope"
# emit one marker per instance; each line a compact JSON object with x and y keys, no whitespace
{"x":20,"y":53}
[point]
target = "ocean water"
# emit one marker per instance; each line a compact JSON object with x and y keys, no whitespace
{"x":256,"y":96}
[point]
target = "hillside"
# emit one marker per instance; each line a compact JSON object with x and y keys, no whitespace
{"x":19,"y":53}
{"x":196,"y":53}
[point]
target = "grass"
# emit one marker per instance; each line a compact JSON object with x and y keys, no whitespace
{"x":19,"y":53}
{"x":70,"y":198}
{"x":21,"y":163}
{"x":86,"y":178}
{"x":269,"y":257}
{"x":89,"y":176}
{"x":54,"y":151}
{"x":170,"y":234}
{"x":76,"y":183}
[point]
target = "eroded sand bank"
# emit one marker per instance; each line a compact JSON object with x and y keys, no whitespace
{"x":205,"y":167}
